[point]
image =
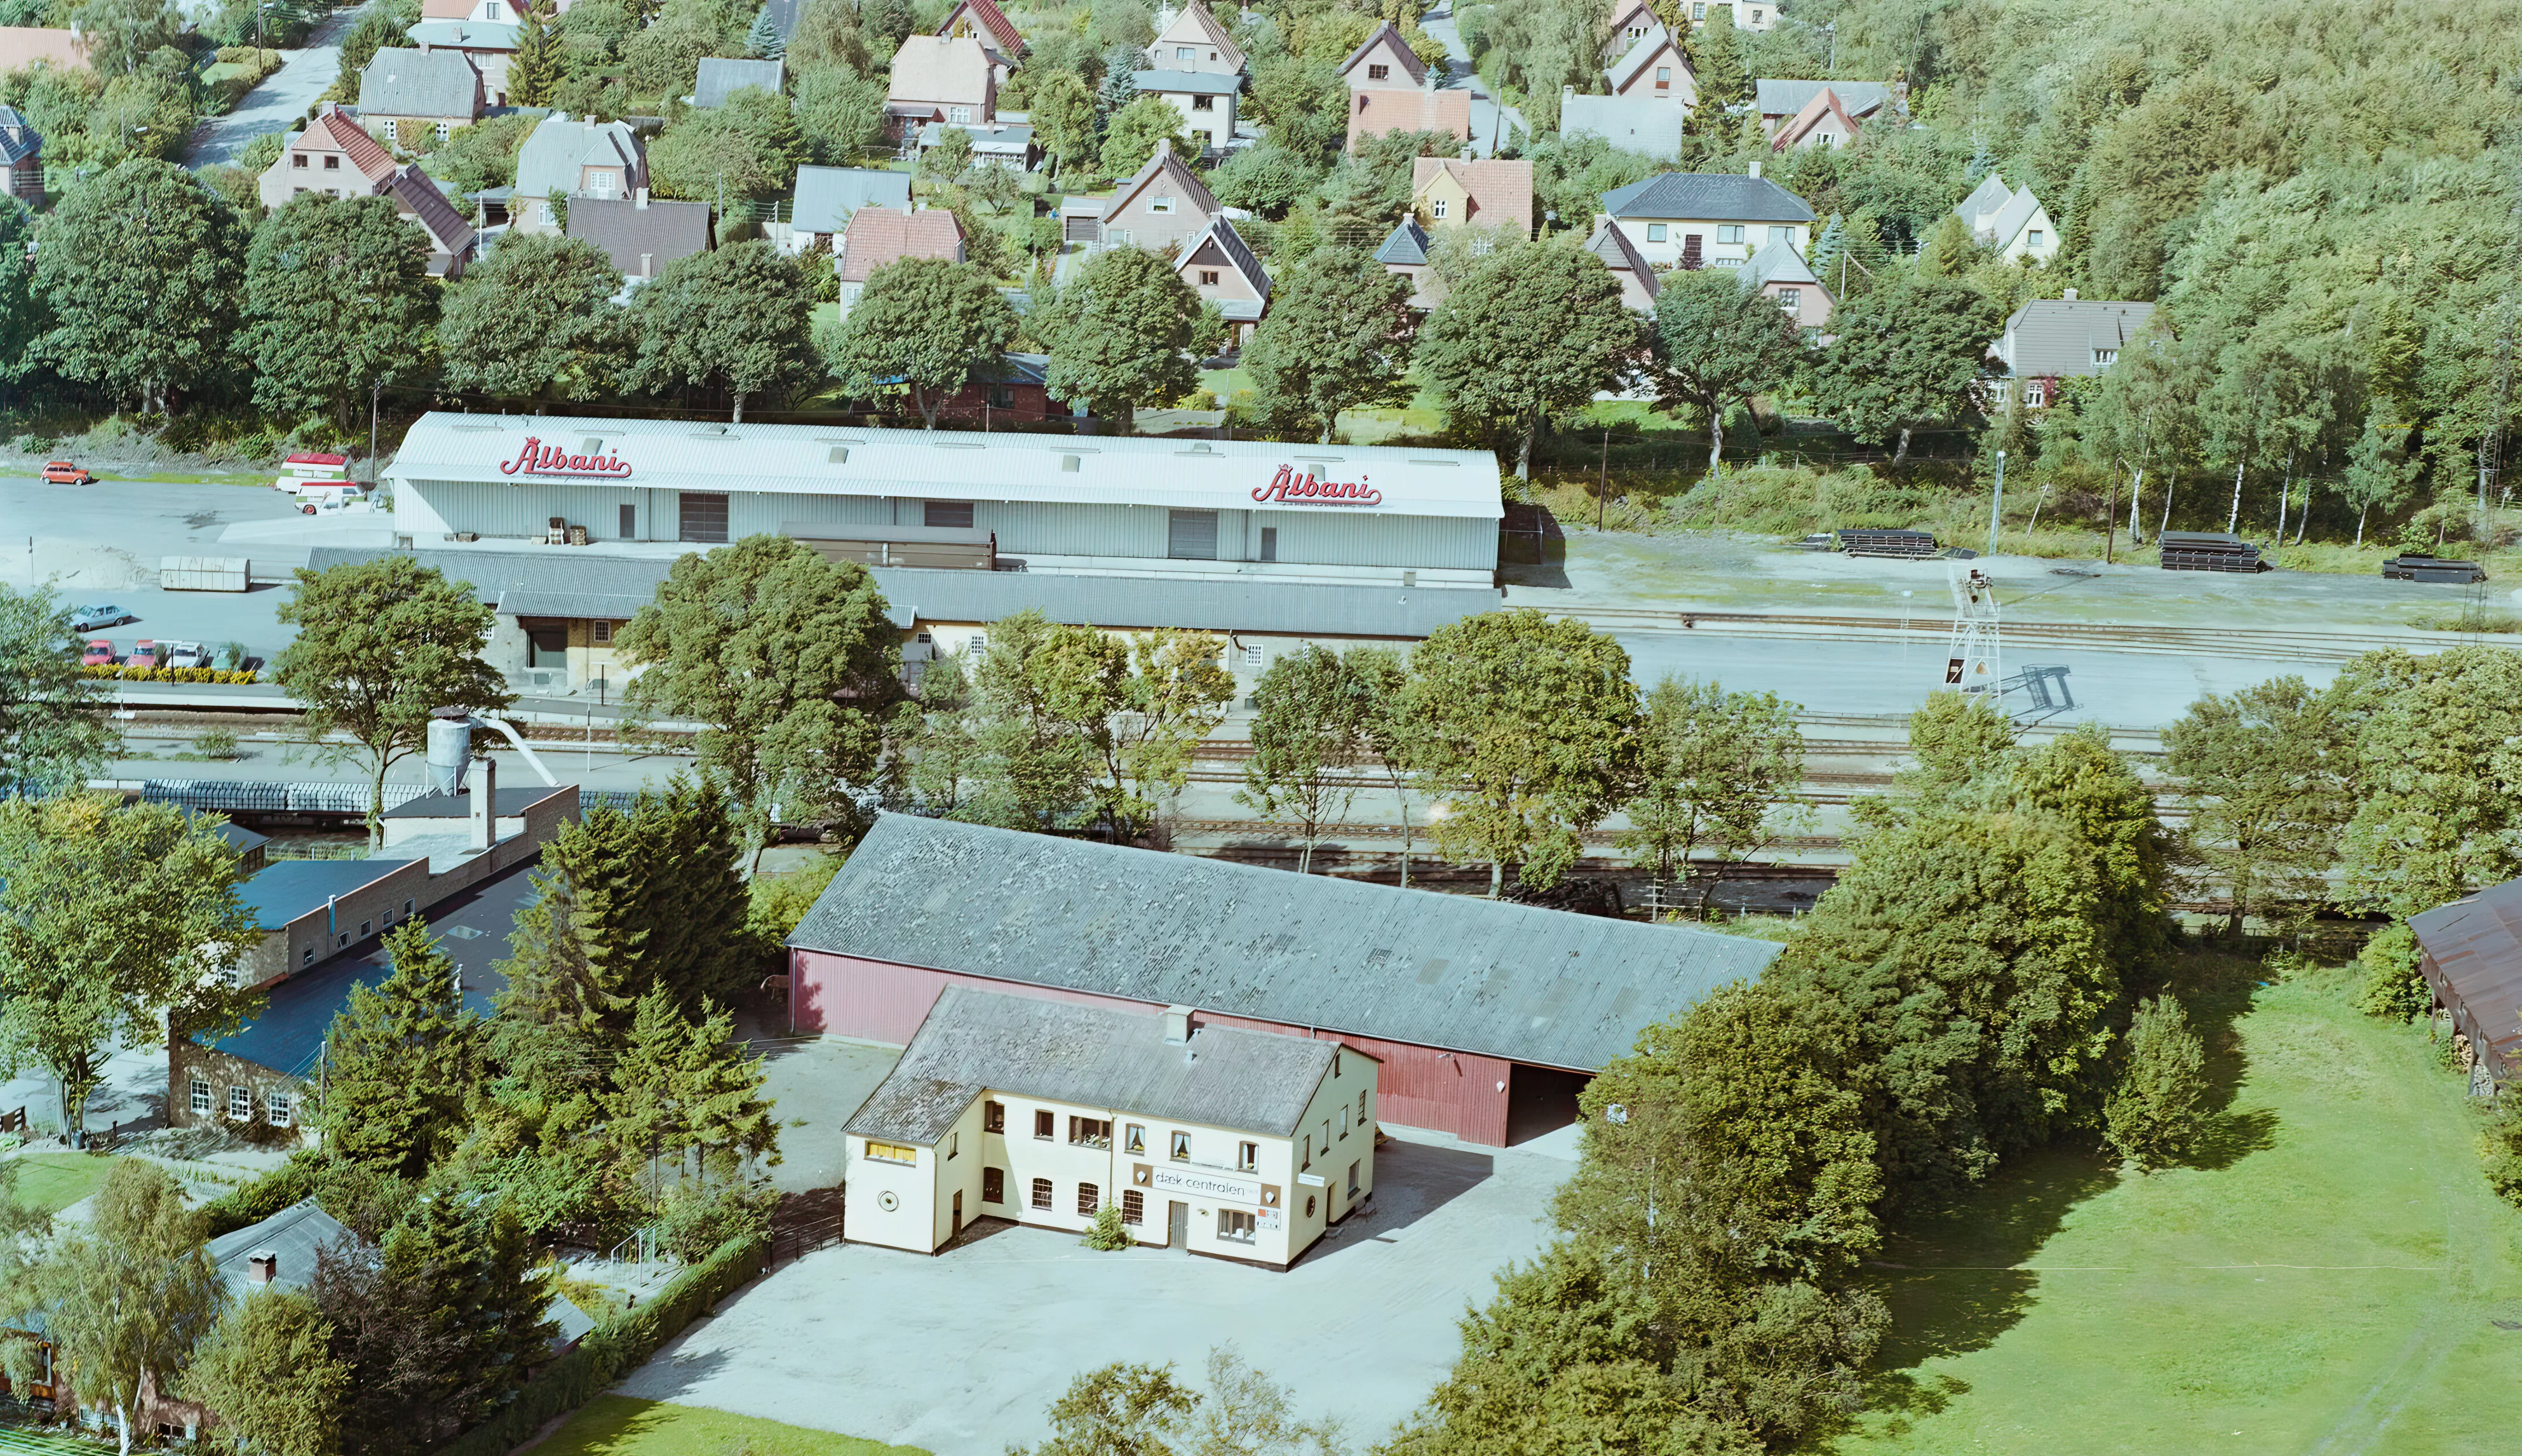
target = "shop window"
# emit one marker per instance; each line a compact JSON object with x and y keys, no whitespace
{"x":240,"y":1105}
{"x":1182,"y":1148}
{"x":1190,"y":534}
{"x":278,"y":1104}
{"x":703,"y":517}
{"x":201,"y":1098}
{"x":1133,"y":1139}
{"x":1234,"y":1225}
{"x":993,"y":1185}
{"x":1089,"y":1198}
{"x":1090,"y":1132}
{"x":994,"y":1118}
{"x":1045,"y":1124}
{"x":957,"y":514}
{"x":1042,"y":1194}
{"x":1247,"y":1156}
{"x":1134,"y":1207}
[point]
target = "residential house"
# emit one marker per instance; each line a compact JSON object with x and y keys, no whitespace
{"x":1638,"y":282}
{"x":1015,"y":394}
{"x":2048,"y":339}
{"x":575,"y":156}
{"x":1371,"y":113}
{"x":484,"y":12}
{"x":827,"y":197}
{"x":334,"y":154}
{"x":1763,"y":16}
{"x":877,"y":236}
{"x":1191,"y":39}
{"x":2012,"y":223}
{"x":1160,"y":206}
{"x":1453,"y":192}
{"x":1209,"y":1139}
{"x":416,"y":198}
{"x":983,"y":21}
{"x":1823,"y":123}
{"x":941,"y":79}
{"x":639,"y":234}
{"x":1695,"y":220}
{"x":25,"y":47}
{"x":489,"y":44}
{"x":1648,"y":126}
{"x":1780,"y":100}
{"x":1221,"y":268}
{"x":1385,"y":62}
{"x":1003,"y":144}
{"x":1781,"y":272}
{"x":1205,"y":98}
{"x":721,"y":78}
{"x":22,"y":160}
{"x":1631,"y":20}
{"x":416,"y":99}
{"x":1404,"y":250}
{"x":1655,"y":66}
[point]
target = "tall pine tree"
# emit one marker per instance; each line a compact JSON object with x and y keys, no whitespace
{"x":763,"y":40}
{"x":403,"y":1061}
{"x":535,"y":70}
{"x":685,"y":1086}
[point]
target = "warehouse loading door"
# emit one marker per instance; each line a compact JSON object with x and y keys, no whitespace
{"x":704,"y":517}
{"x":1192,"y":535}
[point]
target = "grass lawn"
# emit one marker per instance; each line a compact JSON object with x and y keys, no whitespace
{"x":54,"y":1181}
{"x":617,"y":1426}
{"x":2329,"y":1279}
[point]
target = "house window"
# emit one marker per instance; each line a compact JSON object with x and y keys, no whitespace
{"x":600,"y":184}
{"x":1089,"y":1198}
{"x":1045,"y":1124}
{"x":1436,"y":208}
{"x":1209,"y":277}
{"x":280,"y":1111}
{"x":1160,"y":205}
{"x":363,"y":930}
{"x":2105,"y":356}
{"x":240,"y":1105}
{"x":1790,"y":300}
{"x":1309,"y":1206}
{"x":1655,"y":232}
{"x":543,"y":212}
{"x":959,"y":116}
{"x":993,"y":1185}
{"x":1183,"y":53}
{"x":1182,"y":1148}
{"x":308,"y":956}
{"x":994,"y":1118}
{"x":953,"y":1144}
{"x":1361,"y":1109}
{"x":1352,"y":1180}
{"x":1042,"y":1194}
{"x":201,"y":1098}
{"x":299,"y":158}
{"x":1731,"y":232}
{"x":1306,"y":1159}
{"x":1343,"y":1124}
{"x":1234,"y":1225}
{"x":955,"y":514}
{"x":1090,"y":1132}
{"x":1134,"y":1207}
{"x":332,"y":163}
{"x":1379,"y":72}
{"x":392,"y":127}
{"x":2035,"y":394}
{"x":1247,"y":1156}
{"x":1699,"y":10}
{"x":1204,"y":103}
{"x":603,"y":633}
{"x":2033,"y":237}
{"x":1755,"y":18}
{"x":1133,"y":1139}
{"x":1663,"y":77}
{"x":1268,"y":542}
{"x":444,"y":129}
{"x":891,"y":1152}
{"x":407,"y":910}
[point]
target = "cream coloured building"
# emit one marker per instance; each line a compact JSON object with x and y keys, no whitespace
{"x":1240,"y":1144}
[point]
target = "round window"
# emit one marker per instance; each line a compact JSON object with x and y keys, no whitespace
{"x":1309,"y":1206}
{"x":888,"y":1200}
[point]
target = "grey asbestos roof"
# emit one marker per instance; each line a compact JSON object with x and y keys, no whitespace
{"x":1777,"y":261}
{"x":1785,"y":98}
{"x":560,"y":146}
{"x":2057,"y":338}
{"x":1648,"y":126}
{"x":17,"y":140}
{"x":294,"y":1234}
{"x":1986,"y":198}
{"x":1531,"y":985}
{"x":1611,"y":243}
{"x":1713,"y":197}
{"x":401,"y":82}
{"x":720,"y":77}
{"x":555,"y":571}
{"x":827,"y":195}
{"x":1248,"y":1081}
{"x":1407,"y":247}
{"x":1188,"y":82}
{"x":627,"y":230}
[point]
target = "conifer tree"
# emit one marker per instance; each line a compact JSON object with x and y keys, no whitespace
{"x":2153,"y":1115}
{"x":763,"y":40}
{"x":403,"y":1062}
{"x":535,"y":70}
{"x":685,"y":1086}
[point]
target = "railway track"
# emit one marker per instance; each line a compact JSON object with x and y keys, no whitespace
{"x":2283,"y":645}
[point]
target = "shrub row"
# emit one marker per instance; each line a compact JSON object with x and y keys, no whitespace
{"x":167,"y":675}
{"x":264,"y":1196}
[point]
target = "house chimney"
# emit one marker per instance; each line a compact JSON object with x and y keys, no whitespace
{"x":1565,"y":91}
{"x":1177,"y":1025}
{"x":263,"y":1266}
{"x":2071,"y":295}
{"x":486,"y":804}
{"x":1756,"y":167}
{"x":638,"y":197}
{"x":647,"y":266}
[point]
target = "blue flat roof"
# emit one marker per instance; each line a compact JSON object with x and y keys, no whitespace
{"x":285,"y":889}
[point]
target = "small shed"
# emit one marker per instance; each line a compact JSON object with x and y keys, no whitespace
{"x":2470,"y":951}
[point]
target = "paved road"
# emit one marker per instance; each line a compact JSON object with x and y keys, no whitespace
{"x":1492,"y":124}
{"x":281,"y":101}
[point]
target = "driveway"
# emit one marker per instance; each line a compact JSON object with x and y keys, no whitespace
{"x":281,"y":101}
{"x":963,"y":1353}
{"x":1493,"y":124}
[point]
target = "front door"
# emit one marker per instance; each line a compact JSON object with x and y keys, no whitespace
{"x":958,"y":1210}
{"x":1178,"y":1226}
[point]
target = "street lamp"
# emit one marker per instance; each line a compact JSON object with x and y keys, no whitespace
{"x":1831,"y":31}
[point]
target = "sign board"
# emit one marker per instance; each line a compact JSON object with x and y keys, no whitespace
{"x":538,"y":459}
{"x":1208,"y":1183}
{"x":1289,"y":488}
{"x":1953,"y":670}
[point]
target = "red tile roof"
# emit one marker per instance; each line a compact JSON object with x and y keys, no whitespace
{"x":987,"y":14}
{"x":877,"y":236}
{"x":1373,"y":113}
{"x":331,"y":129}
{"x":1501,"y":192}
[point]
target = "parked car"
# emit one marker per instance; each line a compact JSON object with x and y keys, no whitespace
{"x":66,"y":473}
{"x":99,"y":655}
{"x":230,"y":658}
{"x":174,"y":653}
{"x":143,"y":654}
{"x":89,"y":618}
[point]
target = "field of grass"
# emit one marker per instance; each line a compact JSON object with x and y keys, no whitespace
{"x":54,"y":1181}
{"x":617,"y":1426}
{"x":2333,"y":1277}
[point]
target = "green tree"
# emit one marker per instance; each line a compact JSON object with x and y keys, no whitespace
{"x":2265,"y":803}
{"x":1267,"y":180}
{"x":926,"y":327}
{"x":1135,"y":130}
{"x":948,"y":160}
{"x":138,"y":277}
{"x":763,"y":40}
{"x":54,"y":732}
{"x":1904,"y":355}
{"x":747,"y":147}
{"x":839,"y":113}
{"x":124,"y":924}
{"x":127,"y":1300}
{"x":1717,"y":342}
{"x":2433,"y":775}
{"x":2156,"y":1113}
{"x":580,"y":343}
{"x":122,"y":34}
{"x":941,"y":730}
{"x":1174,"y":696}
{"x":2395,"y":979}
{"x":828,"y":34}
{"x":1304,"y":104}
{"x":2378,"y":474}
{"x":1392,"y":728}
{"x":380,"y":645}
{"x":1534,"y":330}
{"x":685,"y":1086}
{"x":1954,"y":737}
{"x":268,"y":1372}
{"x":785,"y":658}
{"x":402,"y":1062}
{"x":1063,"y":116}
{"x":1309,"y":740}
{"x":738,"y":319}
{"x":1032,"y":758}
{"x":21,"y":325}
{"x":337,"y":298}
{"x":1717,"y":61}
{"x":1526,"y":734}
{"x":535,"y":69}
{"x":1717,"y":771}
{"x":1119,"y":1410}
{"x":1336,"y":337}
{"x":1126,"y":331}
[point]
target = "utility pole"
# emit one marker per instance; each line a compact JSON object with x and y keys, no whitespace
{"x":1603,"y":486}
{"x":1996,"y":504}
{"x":375,"y":388}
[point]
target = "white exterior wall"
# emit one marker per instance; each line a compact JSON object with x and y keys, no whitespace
{"x":1214,"y":127}
{"x":1667,"y":249}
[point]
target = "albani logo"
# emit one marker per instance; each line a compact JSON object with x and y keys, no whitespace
{"x":1307,"y":489}
{"x":538,"y":459}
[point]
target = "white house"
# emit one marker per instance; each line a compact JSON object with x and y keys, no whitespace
{"x":1207,"y":100}
{"x":1701,"y":219}
{"x":2013,"y":223}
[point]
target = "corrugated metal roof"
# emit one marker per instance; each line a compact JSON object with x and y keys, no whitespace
{"x":1649,"y":126}
{"x":953,"y":464}
{"x":721,"y":78}
{"x":1095,"y":1056}
{"x":2476,"y":944}
{"x":285,"y":889}
{"x":294,"y":1234}
{"x":514,"y":799}
{"x":1709,"y":196}
{"x":1532,"y":985}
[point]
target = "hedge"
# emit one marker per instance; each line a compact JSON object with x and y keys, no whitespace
{"x":615,"y":1347}
{"x":263,"y":1198}
{"x":165,"y":674}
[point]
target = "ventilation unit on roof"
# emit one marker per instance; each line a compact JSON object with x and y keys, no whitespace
{"x":710,"y":432}
{"x":1069,"y":463}
{"x":1201,"y":449}
{"x":840,"y":454}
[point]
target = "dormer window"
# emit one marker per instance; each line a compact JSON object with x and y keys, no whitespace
{"x":2105,"y":357}
{"x":1379,"y":72}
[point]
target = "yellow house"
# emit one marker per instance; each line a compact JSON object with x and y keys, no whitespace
{"x":1453,"y":192}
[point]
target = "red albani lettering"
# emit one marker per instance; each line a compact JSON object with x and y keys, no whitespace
{"x":538,"y":459}
{"x":1289,"y":488}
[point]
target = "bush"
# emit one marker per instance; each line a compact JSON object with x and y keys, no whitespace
{"x":1107,"y":1233}
{"x":695,"y":1222}
{"x":266,"y":1196}
{"x":2394,"y":987}
{"x":2503,"y":1146}
{"x":217,"y":744}
{"x":2153,"y":1117}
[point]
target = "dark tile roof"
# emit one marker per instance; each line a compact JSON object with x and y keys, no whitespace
{"x":1713,"y":196}
{"x":1408,"y":57}
{"x":1785,"y":98}
{"x":294,"y":1234}
{"x":626,"y":229}
{"x":285,"y":889}
{"x":1406,"y":246}
{"x":17,"y":140}
{"x":451,"y":236}
{"x":1540,"y":986}
{"x":1187,"y":186}
{"x":1232,"y":243}
{"x":2476,"y":946}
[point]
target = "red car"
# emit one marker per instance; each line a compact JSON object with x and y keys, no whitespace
{"x":143,"y":654}
{"x":99,"y":655}
{"x":66,"y":473}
